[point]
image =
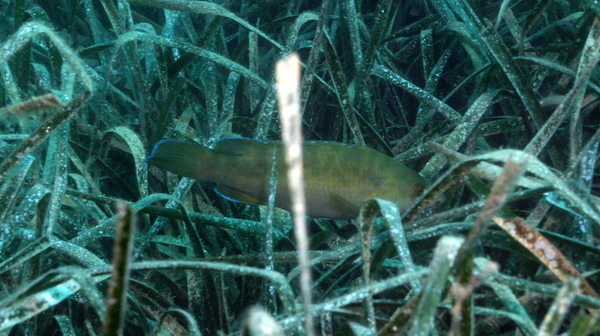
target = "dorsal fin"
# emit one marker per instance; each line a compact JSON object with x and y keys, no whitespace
{"x":238,"y":146}
{"x":333,"y":144}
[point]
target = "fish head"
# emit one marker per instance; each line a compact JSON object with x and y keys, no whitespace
{"x":402,"y":192}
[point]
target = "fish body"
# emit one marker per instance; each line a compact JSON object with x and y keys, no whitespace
{"x":337,"y":177}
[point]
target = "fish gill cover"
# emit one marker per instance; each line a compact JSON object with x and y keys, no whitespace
{"x":494,"y":102}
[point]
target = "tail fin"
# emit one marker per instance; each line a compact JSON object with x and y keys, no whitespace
{"x":181,"y":158}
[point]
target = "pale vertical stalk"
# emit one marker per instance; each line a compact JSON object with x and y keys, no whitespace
{"x":288,"y":91}
{"x":269,"y":263}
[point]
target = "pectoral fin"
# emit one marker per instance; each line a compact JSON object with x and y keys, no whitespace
{"x":236,"y":195}
{"x":343,"y":207}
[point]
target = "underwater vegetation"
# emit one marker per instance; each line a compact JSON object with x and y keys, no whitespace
{"x":494,"y":102}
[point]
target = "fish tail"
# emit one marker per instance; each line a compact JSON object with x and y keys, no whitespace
{"x":181,"y":158}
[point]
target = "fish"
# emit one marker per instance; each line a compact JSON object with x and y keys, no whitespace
{"x":338,"y":177}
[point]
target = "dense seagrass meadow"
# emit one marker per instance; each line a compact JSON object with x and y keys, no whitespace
{"x":496,"y":103}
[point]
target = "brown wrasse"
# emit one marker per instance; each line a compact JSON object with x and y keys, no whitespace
{"x":337,"y":177}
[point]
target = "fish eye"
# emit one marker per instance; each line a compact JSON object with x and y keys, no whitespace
{"x":418,"y":190}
